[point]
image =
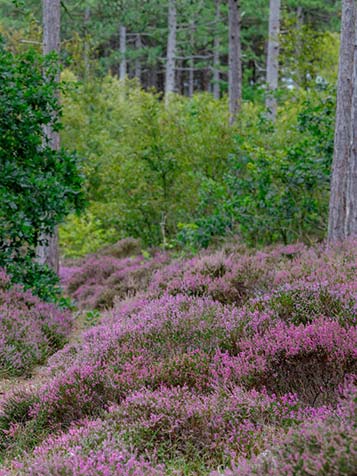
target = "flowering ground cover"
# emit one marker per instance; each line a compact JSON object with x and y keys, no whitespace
{"x":230,"y":363}
{"x":102,"y":278}
{"x":30,"y":330}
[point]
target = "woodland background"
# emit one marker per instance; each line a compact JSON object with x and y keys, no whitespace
{"x":178,"y":174}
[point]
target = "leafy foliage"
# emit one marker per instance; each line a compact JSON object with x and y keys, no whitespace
{"x":277,"y":187}
{"x":38,"y":185}
{"x":142,"y":158}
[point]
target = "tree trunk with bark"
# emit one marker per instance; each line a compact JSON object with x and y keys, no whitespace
{"x":138,"y":47}
{"x":47,"y":253}
{"x":351,"y":198}
{"x":273,"y":58}
{"x":191,"y":62}
{"x":171,"y":50}
{"x":216,"y":50}
{"x":235,"y":61}
{"x":338,"y":195}
{"x":122,"y":47}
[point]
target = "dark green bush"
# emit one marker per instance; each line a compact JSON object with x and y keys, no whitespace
{"x":38,"y":186}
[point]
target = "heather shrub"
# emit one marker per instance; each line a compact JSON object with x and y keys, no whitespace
{"x":99,"y":280}
{"x":322,"y":446}
{"x":197,"y":380}
{"x":18,"y":431}
{"x":302,"y":303}
{"x":30,"y":329}
{"x":173,"y":341}
{"x":235,"y":274}
{"x":15,"y":410}
{"x":321,"y":265}
{"x":169,"y":341}
{"x":311,"y":361}
{"x":178,"y":423}
{"x":86,"y":451}
{"x":227,"y":279}
{"x":171,"y":424}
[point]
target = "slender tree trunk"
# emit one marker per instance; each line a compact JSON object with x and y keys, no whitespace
{"x":273,"y":58}
{"x":47,"y":253}
{"x":337,"y":211}
{"x":138,"y":46}
{"x":216,"y":48}
{"x":171,"y":50}
{"x":191,"y":78}
{"x":122,"y":47}
{"x":86,"y":42}
{"x":299,"y":17}
{"x":180,"y":83}
{"x":351,"y":199}
{"x":235,"y":61}
{"x":191,"y":62}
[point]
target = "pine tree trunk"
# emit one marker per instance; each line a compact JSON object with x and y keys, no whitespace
{"x":191,"y":71}
{"x":273,"y":58}
{"x":216,"y":48}
{"x":138,"y":46}
{"x":235,"y":61}
{"x":122,"y":47}
{"x":338,"y":196}
{"x":171,"y":50}
{"x":351,"y":199}
{"x":191,"y":79}
{"x":48,"y":253}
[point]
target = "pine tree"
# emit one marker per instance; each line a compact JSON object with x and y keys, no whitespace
{"x":338,"y":197}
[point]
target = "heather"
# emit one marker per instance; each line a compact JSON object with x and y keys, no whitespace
{"x":323,"y":445}
{"x":119,"y":271}
{"x":221,"y":360}
{"x":172,"y":424}
{"x":30,"y":329}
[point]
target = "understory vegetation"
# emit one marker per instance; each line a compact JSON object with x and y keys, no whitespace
{"x":269,"y":183}
{"x":232,"y":362}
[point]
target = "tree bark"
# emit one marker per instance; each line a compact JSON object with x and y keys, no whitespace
{"x":338,"y":195}
{"x":138,"y":46}
{"x":191,"y":62}
{"x":235,"y":61}
{"x":191,"y":78}
{"x":122,"y":47}
{"x":171,"y":50}
{"x":216,"y":49}
{"x":351,"y":198}
{"x":47,"y":253}
{"x":273,"y":58}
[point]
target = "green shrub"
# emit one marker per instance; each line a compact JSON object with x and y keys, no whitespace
{"x":38,"y":185}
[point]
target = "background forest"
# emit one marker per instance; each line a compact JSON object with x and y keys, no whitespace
{"x":177,"y":174}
